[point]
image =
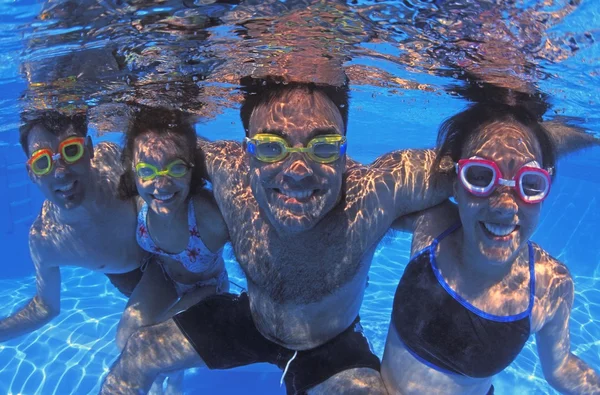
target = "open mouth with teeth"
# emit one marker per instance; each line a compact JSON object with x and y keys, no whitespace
{"x":300,"y":196}
{"x":164,"y":198}
{"x":66,"y":190}
{"x":499,"y":232}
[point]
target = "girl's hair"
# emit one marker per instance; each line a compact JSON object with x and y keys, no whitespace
{"x":457,"y":131}
{"x":165,"y":123}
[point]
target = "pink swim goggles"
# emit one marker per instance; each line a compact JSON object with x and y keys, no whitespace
{"x":481,"y":176}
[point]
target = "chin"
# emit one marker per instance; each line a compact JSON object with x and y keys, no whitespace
{"x":498,"y":256}
{"x":293,"y":224}
{"x":68,"y":204}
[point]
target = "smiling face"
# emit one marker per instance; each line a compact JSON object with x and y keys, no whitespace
{"x":296,"y":192}
{"x":497,"y":226}
{"x":163,"y":194}
{"x":66,"y":184}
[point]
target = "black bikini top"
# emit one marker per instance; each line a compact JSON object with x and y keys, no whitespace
{"x":446,"y":332}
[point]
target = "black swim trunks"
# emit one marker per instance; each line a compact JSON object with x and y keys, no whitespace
{"x":126,"y":282}
{"x":223,"y":333}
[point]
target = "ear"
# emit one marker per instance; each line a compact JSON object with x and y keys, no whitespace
{"x":90,"y":146}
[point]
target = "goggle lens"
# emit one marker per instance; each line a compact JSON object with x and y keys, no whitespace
{"x":72,"y":152}
{"x":326,"y":151}
{"x":145,"y":172}
{"x":178,"y":170}
{"x":41,"y":165}
{"x":533,"y":184}
{"x":479,"y":176}
{"x":270,"y":151}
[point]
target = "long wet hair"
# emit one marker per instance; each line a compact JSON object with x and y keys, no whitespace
{"x":164,"y":122}
{"x":457,"y":131}
{"x":53,"y":121}
{"x":267,"y":90}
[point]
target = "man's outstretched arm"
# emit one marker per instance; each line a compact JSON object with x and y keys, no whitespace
{"x":410,"y":180}
{"x":42,"y":308}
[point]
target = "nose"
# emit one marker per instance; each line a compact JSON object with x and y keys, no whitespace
{"x":298,"y":169}
{"x":60,"y":169}
{"x":162,"y":182}
{"x":503,"y":202}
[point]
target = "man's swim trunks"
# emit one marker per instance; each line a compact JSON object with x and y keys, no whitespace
{"x":223,"y":333}
{"x":126,"y":282}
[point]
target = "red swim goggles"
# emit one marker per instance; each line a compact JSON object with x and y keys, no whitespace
{"x":481,"y":176}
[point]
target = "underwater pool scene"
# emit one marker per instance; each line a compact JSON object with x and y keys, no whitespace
{"x":408,"y":64}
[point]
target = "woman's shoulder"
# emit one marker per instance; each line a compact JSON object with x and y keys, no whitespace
{"x":551,"y":274}
{"x":208,"y":215}
{"x":554,"y":285}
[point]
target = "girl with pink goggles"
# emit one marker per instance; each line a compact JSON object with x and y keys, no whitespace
{"x":481,"y":176}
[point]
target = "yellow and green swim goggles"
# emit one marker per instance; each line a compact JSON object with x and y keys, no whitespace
{"x":272,"y":148}
{"x":70,"y":150}
{"x":178,"y":168}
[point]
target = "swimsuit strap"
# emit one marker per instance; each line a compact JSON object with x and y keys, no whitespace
{"x":443,"y":235}
{"x":531,"y":276}
{"x":466,"y":303}
{"x":191,"y":215}
{"x":143,"y":215}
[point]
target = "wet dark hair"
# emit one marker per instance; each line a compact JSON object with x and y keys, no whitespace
{"x":264,"y":91}
{"x":164,"y":122}
{"x":51,"y":120}
{"x":457,"y":131}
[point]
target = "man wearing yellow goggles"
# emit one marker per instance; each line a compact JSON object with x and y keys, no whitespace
{"x":82,"y":223}
{"x":272,"y":148}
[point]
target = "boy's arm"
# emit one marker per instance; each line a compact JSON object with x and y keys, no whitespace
{"x":43,"y":307}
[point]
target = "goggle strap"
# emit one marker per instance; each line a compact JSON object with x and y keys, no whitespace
{"x":508,"y":183}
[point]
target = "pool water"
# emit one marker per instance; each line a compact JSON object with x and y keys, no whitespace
{"x":72,"y":353}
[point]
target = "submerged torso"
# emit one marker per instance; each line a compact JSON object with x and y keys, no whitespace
{"x":194,"y":263}
{"x":106,"y":241}
{"x":304,"y":294}
{"x":304,"y":288}
{"x":492,"y":324}
{"x":446,"y":332}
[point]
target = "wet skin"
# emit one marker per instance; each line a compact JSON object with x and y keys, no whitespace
{"x":168,"y":199}
{"x":156,"y":299}
{"x":491,"y":271}
{"x":82,"y":223}
{"x":306,"y":258}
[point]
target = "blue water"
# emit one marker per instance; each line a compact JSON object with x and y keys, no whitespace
{"x":72,"y":353}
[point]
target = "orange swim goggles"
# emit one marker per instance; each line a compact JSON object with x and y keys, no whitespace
{"x":70,"y":150}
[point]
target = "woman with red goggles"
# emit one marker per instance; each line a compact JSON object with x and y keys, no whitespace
{"x":476,"y":287}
